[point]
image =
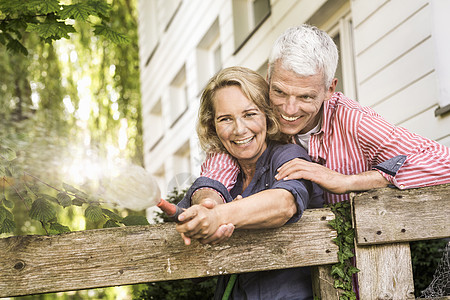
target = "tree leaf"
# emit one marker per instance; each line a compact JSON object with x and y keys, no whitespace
{"x":64,"y":199}
{"x":56,"y":228}
{"x":135,"y":220}
{"x":42,"y":210}
{"x":8,"y":204}
{"x":8,"y":153}
{"x":49,"y":198}
{"x":100,"y":8}
{"x":70,"y":188}
{"x":7,"y":226}
{"x":110,"y":223}
{"x":43,"y":6}
{"x":79,"y":11}
{"x":2,"y":214}
{"x":51,"y":29}
{"x":94,"y":213}
{"x":112,"y":215}
{"x":6,"y":213}
{"x":12,"y":7}
{"x":16,"y":47}
{"x":111,"y":35}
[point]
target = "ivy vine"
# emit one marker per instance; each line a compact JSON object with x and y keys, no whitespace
{"x":344,"y":270}
{"x":41,"y":200}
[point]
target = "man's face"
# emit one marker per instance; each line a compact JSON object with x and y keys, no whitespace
{"x":298,"y":100}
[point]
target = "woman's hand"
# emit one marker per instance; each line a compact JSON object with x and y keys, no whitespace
{"x":199,"y":222}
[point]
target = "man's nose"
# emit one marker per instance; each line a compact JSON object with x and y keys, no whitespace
{"x":291,"y":105}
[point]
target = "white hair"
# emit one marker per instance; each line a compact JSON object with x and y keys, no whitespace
{"x":306,"y":51}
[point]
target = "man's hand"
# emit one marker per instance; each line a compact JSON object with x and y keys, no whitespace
{"x":328,"y":179}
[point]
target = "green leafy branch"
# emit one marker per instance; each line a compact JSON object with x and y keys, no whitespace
{"x":42,"y":206}
{"x":48,"y":19}
{"x":343,"y":271}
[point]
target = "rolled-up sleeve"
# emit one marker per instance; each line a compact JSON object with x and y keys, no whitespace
{"x":301,"y":196}
{"x":204,"y":182}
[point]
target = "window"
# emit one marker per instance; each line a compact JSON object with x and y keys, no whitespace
{"x":342,"y":35}
{"x":209,"y":56}
{"x":262,"y":70}
{"x":178,"y":96}
{"x":156,"y":124}
{"x":165,"y":12}
{"x":182,"y":175}
{"x":440,"y":25}
{"x":248,"y":15}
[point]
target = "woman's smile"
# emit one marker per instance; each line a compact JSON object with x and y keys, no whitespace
{"x":240,"y":125}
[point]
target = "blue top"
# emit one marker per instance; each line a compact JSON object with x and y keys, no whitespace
{"x":294,"y":283}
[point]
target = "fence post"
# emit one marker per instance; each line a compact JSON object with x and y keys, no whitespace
{"x":385,"y":271}
{"x":323,"y":283}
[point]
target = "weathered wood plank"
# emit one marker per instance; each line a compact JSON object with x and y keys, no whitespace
{"x":385,"y":272}
{"x":392,"y":215}
{"x":323,"y":283}
{"x":129,"y":255}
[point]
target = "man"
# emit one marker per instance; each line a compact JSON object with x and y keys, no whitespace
{"x":352,"y":147}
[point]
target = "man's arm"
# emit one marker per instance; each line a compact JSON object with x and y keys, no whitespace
{"x":330,"y":180}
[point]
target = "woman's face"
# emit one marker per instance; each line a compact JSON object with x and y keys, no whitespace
{"x":240,"y":125}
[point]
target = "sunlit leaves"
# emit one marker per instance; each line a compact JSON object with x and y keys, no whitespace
{"x":79,"y":11}
{"x":94,"y":213}
{"x":54,"y":30}
{"x":56,"y":228}
{"x":112,"y":35}
{"x":47,"y":19}
{"x":7,"y":226}
{"x":7,"y":153}
{"x":64,"y":199}
{"x":135,"y":220}
{"x":100,"y":8}
{"x":42,"y":210}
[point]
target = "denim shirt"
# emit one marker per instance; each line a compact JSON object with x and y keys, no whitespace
{"x":292,"y":283}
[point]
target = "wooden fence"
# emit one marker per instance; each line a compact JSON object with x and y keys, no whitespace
{"x":386,"y":220}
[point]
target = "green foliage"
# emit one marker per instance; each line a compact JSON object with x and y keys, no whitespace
{"x":43,"y":206}
{"x":185,"y":289}
{"x":343,"y":271}
{"x":52,"y":20}
{"x":425,"y":257}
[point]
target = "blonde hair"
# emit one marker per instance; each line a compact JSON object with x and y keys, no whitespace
{"x":253,"y":86}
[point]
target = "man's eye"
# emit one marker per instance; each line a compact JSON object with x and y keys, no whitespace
{"x":278,"y":92}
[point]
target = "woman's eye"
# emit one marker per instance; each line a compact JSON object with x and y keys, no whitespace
{"x":226,"y":119}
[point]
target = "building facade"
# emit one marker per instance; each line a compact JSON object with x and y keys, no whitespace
{"x":393,"y":57}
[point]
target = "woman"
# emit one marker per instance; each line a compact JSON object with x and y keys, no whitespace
{"x":235,"y":116}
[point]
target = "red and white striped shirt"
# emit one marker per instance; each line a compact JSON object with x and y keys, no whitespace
{"x":354,"y":139}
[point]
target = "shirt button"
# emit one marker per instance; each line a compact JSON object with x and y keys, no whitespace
{"x":402,"y":186}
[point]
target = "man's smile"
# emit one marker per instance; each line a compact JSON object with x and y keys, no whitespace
{"x":290,"y":119}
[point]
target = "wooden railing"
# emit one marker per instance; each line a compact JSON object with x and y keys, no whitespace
{"x":385,"y":221}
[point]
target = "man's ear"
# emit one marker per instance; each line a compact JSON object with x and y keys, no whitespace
{"x":332,"y":88}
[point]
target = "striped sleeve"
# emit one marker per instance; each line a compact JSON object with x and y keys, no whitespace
{"x":221,"y":167}
{"x":427,"y":162}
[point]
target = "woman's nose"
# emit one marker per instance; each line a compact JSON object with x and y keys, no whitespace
{"x":239,"y":127}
